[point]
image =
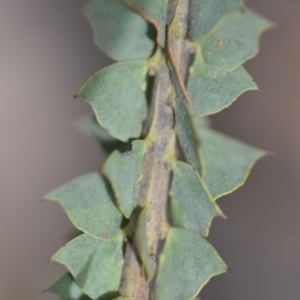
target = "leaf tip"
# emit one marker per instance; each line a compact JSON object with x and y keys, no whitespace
{"x":270,"y":153}
{"x":223,"y":216}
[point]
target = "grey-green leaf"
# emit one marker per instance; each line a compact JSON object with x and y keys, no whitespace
{"x":117,"y":96}
{"x":227,"y":162}
{"x":176,"y":81}
{"x":141,"y":244}
{"x":186,"y":263}
{"x":89,"y":204}
{"x":89,"y":126}
{"x":212,"y":89}
{"x":67,"y":288}
{"x":124,"y":172}
{"x":192,"y":206}
{"x":202,"y":121}
{"x":95,"y":264}
{"x":234,"y":40}
{"x":205,"y":14}
{"x":155,"y":12}
{"x":118,"y":31}
{"x":187,"y":136}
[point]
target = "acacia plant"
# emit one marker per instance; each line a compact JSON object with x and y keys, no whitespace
{"x":144,"y":217}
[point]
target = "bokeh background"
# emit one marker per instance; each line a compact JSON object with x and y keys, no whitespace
{"x":46,"y":53}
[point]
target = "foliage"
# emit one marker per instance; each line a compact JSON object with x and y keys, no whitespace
{"x":157,"y":149}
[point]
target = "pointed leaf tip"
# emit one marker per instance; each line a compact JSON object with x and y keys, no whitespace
{"x":95,"y":264}
{"x":118,"y":99}
{"x":235,"y":39}
{"x":187,"y":260}
{"x":227,"y":161}
{"x":212,"y":89}
{"x":89,"y":204}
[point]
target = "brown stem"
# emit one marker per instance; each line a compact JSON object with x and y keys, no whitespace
{"x":161,"y":151}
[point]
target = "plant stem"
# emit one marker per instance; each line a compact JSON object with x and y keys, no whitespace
{"x":161,"y":152}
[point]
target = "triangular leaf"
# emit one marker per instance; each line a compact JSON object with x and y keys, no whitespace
{"x":88,"y":202}
{"x":117,"y":96}
{"x":234,"y":40}
{"x":124,"y":172}
{"x":204,"y":15}
{"x":186,"y":134}
{"x":155,"y":12}
{"x":89,"y":126}
{"x":95,"y":264}
{"x":141,"y":244}
{"x":186,"y":264}
{"x":212,"y":89}
{"x":227,"y":162}
{"x":118,"y":31}
{"x":192,"y":206}
{"x":67,"y":288}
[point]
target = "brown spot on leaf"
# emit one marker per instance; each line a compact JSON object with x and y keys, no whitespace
{"x":105,"y":234}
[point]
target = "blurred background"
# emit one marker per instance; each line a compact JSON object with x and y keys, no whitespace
{"x":46,"y":53}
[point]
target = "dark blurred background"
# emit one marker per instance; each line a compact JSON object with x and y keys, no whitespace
{"x":46,"y":53}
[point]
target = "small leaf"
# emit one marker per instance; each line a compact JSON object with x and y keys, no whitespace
{"x":155,"y":12}
{"x":186,"y":134}
{"x":227,"y":162}
{"x":192,"y":206}
{"x":205,"y":14}
{"x":117,"y":97}
{"x":95,"y":264}
{"x":186,"y":264}
{"x":67,"y":288}
{"x":212,"y":89}
{"x":88,"y":202}
{"x":118,"y":31}
{"x":124,"y":172}
{"x":141,"y":244}
{"x":89,"y":126}
{"x":234,"y":40}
